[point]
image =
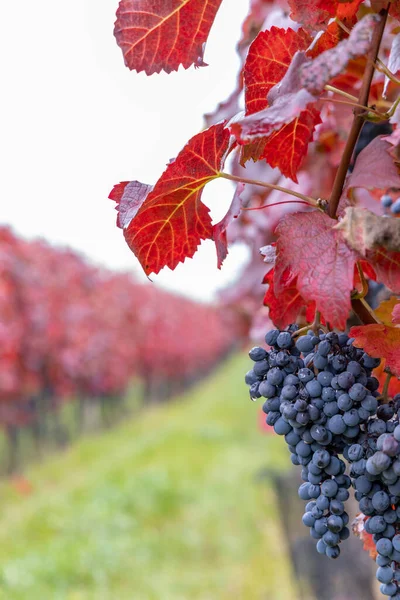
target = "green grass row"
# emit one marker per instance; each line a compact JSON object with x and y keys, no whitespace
{"x":164,"y":507}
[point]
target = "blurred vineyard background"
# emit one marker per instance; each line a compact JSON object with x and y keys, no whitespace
{"x":155,"y":499}
{"x":81,"y":347}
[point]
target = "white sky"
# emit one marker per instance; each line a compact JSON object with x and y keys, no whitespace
{"x":75,"y":121}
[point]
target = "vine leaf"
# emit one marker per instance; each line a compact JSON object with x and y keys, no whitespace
{"x":219,"y":229}
{"x":387,"y":309}
{"x":268,"y":60}
{"x":375,"y":168}
{"x":129,"y":196}
{"x":320,"y":259}
{"x":156,"y":35}
{"x":316,"y":13}
{"x":302,"y":84}
{"x":386,"y":266}
{"x":364,"y":230}
{"x":379,"y":341}
{"x":285,"y":306}
{"x":172,"y":220}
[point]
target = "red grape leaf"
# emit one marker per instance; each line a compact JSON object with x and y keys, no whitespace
{"x":385,"y":310}
{"x":157,"y":35}
{"x":118,"y":191}
{"x":129,"y":197}
{"x":375,"y":168}
{"x":172,"y":221}
{"x":379,"y":341}
{"x":284,"y":307}
{"x":387,"y":267}
{"x":314,"y":14}
{"x":219,"y":229}
{"x":301,"y":85}
{"x":318,"y":72}
{"x":330,"y":38}
{"x":287,"y":147}
{"x":394,"y":384}
{"x":318,"y":256}
{"x":268,"y":60}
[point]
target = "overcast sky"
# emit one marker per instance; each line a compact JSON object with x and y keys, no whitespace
{"x":75,"y":121}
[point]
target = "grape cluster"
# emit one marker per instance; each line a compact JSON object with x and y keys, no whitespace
{"x":320,"y":395}
{"x":375,"y":470}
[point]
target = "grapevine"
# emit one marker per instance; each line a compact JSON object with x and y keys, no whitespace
{"x":315,"y":158}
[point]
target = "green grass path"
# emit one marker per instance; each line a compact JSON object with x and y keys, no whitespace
{"x":163,"y":507}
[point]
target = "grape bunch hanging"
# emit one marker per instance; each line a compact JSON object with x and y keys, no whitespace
{"x":320,"y":395}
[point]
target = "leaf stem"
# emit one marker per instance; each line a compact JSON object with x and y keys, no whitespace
{"x":271,"y":186}
{"x":335,"y":90}
{"x":275,"y":204}
{"x":358,"y":120}
{"x":364,"y":108}
{"x":364,"y":291}
{"x":380,"y":66}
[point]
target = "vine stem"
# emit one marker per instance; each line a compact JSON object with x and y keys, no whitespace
{"x":271,"y":186}
{"x":358,"y":115}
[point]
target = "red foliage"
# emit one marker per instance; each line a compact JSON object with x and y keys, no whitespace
{"x":382,"y":340}
{"x":155,"y":35}
{"x":329,"y":281}
{"x":302,"y":91}
{"x":172,"y":220}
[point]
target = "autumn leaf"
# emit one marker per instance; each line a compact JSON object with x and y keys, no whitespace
{"x":285,"y":306}
{"x":219,"y":229}
{"x":374,"y":167}
{"x":287,"y":147}
{"x":329,"y":38}
{"x":314,"y":14}
{"x":386,"y":265}
{"x":172,"y":221}
{"x":320,"y":259}
{"x":364,"y":230}
{"x":269,"y":58}
{"x":385,"y":310}
{"x":157,"y":35}
{"x":300,"y":87}
{"x":379,"y":341}
{"x":129,"y":197}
